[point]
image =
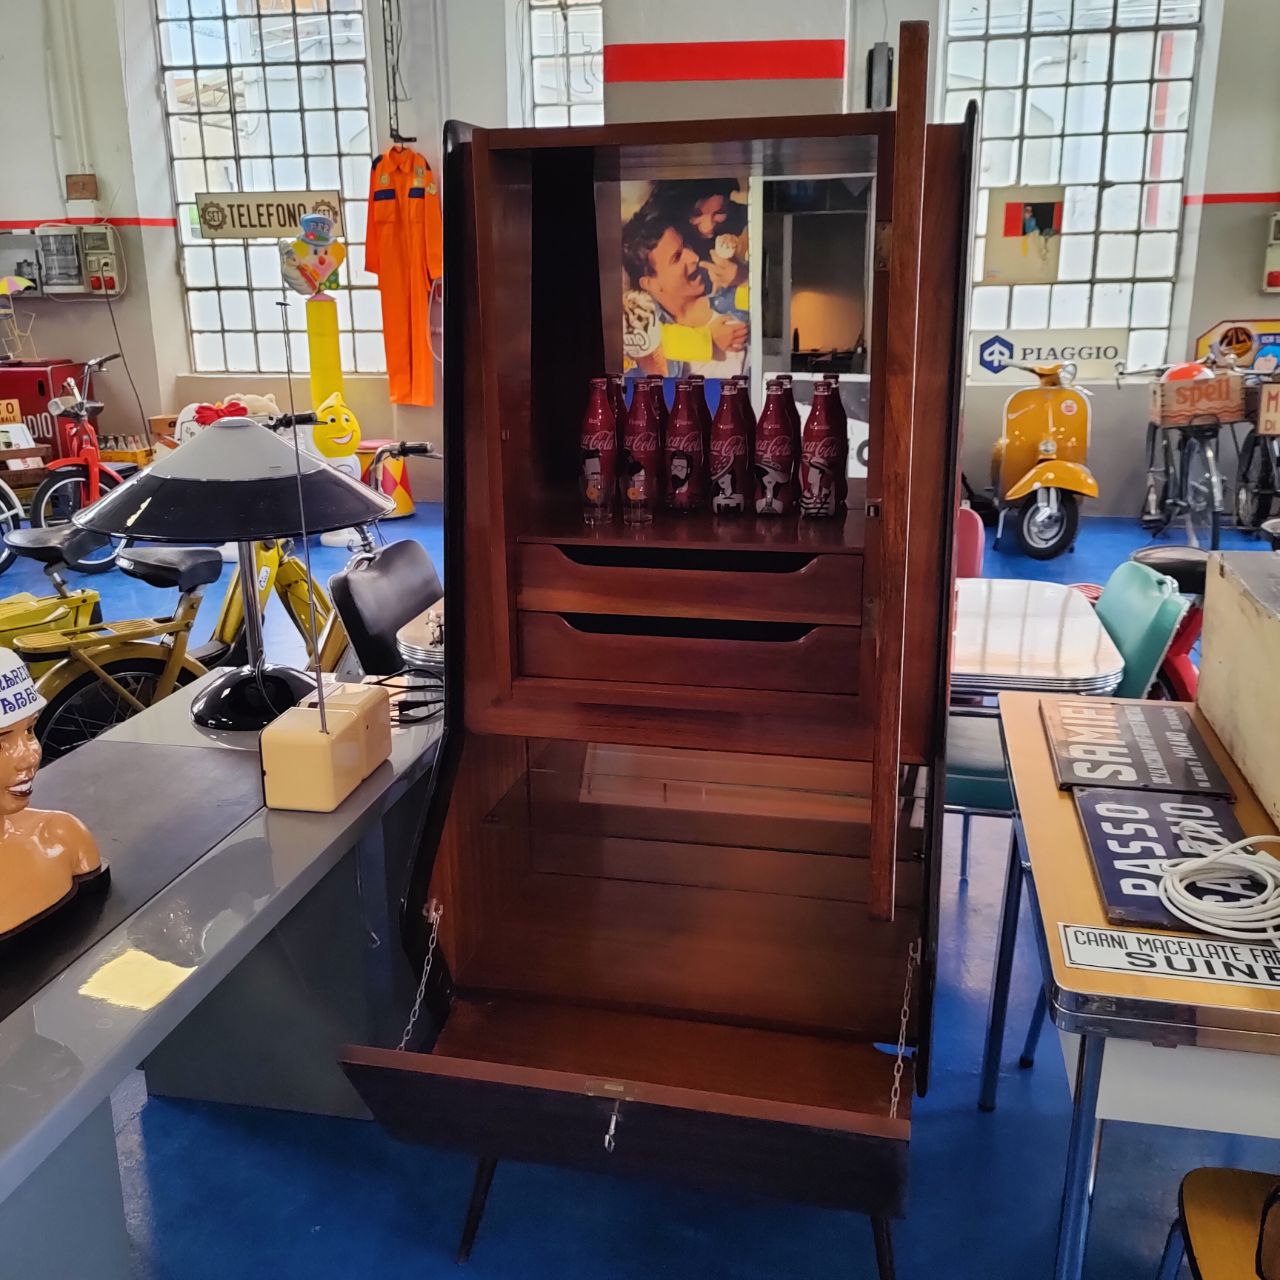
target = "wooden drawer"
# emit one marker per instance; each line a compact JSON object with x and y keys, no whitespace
{"x":799,"y":1117}
{"x":780,"y":656}
{"x":732,"y":583}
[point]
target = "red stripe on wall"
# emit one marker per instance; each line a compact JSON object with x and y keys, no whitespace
{"x":28,"y":224}
{"x":724,"y":60}
{"x":1234,"y":197}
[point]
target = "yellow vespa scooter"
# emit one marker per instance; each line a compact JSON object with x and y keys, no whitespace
{"x":1038,"y":464}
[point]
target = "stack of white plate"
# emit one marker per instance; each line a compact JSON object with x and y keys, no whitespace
{"x":415,"y":645}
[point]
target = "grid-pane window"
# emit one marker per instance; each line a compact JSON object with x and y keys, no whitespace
{"x":1095,"y":96}
{"x":566,"y":57}
{"x":268,"y":95}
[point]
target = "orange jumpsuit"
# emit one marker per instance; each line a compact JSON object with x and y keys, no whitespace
{"x":405,"y":249}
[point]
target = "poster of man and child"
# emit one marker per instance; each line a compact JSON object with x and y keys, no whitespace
{"x":685,"y":304}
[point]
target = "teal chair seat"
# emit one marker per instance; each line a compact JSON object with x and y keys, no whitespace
{"x":1141,"y":610}
{"x":977,"y":776}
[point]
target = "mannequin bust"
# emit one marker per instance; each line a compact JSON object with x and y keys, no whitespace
{"x":46,"y":856}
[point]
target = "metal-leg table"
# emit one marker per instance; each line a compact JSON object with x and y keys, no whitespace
{"x":1077,"y":1188}
{"x":1004,"y":970}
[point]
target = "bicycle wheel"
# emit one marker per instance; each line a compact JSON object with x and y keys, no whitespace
{"x":64,"y":493}
{"x":1162,"y":481}
{"x":1202,"y":488}
{"x":1255,"y":482}
{"x":86,"y":707}
{"x":10,"y":519}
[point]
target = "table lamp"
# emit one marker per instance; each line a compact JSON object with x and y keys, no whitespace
{"x":237,"y":481}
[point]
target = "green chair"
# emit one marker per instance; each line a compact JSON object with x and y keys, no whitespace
{"x":977,"y":775}
{"x":1140,"y":609}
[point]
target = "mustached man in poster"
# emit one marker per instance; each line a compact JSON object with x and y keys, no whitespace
{"x":684,"y":255}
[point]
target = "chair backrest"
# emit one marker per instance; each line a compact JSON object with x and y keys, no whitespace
{"x":1140,"y":609}
{"x":377,"y":595}
{"x":970,"y":543}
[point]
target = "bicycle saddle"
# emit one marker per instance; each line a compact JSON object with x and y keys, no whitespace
{"x":1185,"y":565}
{"x":183,"y":567}
{"x":53,"y":546}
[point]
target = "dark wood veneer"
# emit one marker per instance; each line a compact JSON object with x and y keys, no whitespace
{"x":686,"y":831}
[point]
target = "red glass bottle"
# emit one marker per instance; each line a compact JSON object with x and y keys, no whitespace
{"x":774,"y":456}
{"x":598,"y":456}
{"x":684,"y":454}
{"x":842,"y":417}
{"x":618,"y":397}
{"x":638,"y":458}
{"x":793,"y":412}
{"x":744,"y":406}
{"x":658,"y":397}
{"x":730,"y":453}
{"x":700,"y":403}
{"x":821,"y":456}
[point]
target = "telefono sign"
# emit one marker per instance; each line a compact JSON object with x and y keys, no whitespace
{"x":1094,"y":352}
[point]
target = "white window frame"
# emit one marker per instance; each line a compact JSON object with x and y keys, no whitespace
{"x":237,"y":122}
{"x":559,"y":62}
{"x":1122,"y":234}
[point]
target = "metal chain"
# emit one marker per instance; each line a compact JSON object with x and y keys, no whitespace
{"x":434,"y":914}
{"x":913,"y":959}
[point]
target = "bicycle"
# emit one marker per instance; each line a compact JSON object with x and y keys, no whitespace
{"x":1188,"y":411}
{"x":79,"y":479}
{"x":1258,"y":465}
{"x":97,"y":675}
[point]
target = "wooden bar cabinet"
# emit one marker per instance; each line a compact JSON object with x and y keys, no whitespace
{"x":684,"y":832}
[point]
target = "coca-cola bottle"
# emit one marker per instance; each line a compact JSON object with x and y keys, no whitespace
{"x":638,"y":458}
{"x":658,"y":396}
{"x":618,"y":397}
{"x":744,"y":405}
{"x":821,"y":455}
{"x":683,"y":454}
{"x":774,"y":456}
{"x":729,"y":453}
{"x":704,"y":413}
{"x":793,"y":412}
{"x":598,"y":455}
{"x":842,"y":419}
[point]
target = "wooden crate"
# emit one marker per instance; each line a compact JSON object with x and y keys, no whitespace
{"x":1238,"y":692}
{"x":1178,"y":404}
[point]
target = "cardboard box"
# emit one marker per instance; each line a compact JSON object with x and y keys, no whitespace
{"x":1238,"y":692}
{"x":163,"y":426}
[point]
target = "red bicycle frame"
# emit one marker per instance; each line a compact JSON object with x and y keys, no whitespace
{"x":83,"y":439}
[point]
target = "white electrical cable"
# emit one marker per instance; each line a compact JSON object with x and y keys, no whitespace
{"x":1252,"y":919}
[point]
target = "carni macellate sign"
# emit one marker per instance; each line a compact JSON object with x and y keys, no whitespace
{"x":1142,"y":746}
{"x":1162,"y":955}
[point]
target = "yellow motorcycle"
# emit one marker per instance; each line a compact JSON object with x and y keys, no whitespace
{"x":1038,"y":464}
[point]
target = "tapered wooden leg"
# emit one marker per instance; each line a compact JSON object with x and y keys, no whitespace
{"x":882,"y":1230}
{"x":485,"y":1168}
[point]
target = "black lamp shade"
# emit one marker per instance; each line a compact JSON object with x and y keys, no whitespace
{"x":234,"y":482}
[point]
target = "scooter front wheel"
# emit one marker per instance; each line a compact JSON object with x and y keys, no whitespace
{"x":1047,"y":523}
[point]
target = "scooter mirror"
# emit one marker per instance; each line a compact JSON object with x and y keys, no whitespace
{"x":56,"y":406}
{"x":1067,"y":374}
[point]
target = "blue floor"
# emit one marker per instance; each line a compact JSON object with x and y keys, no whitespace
{"x":217,"y":1192}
